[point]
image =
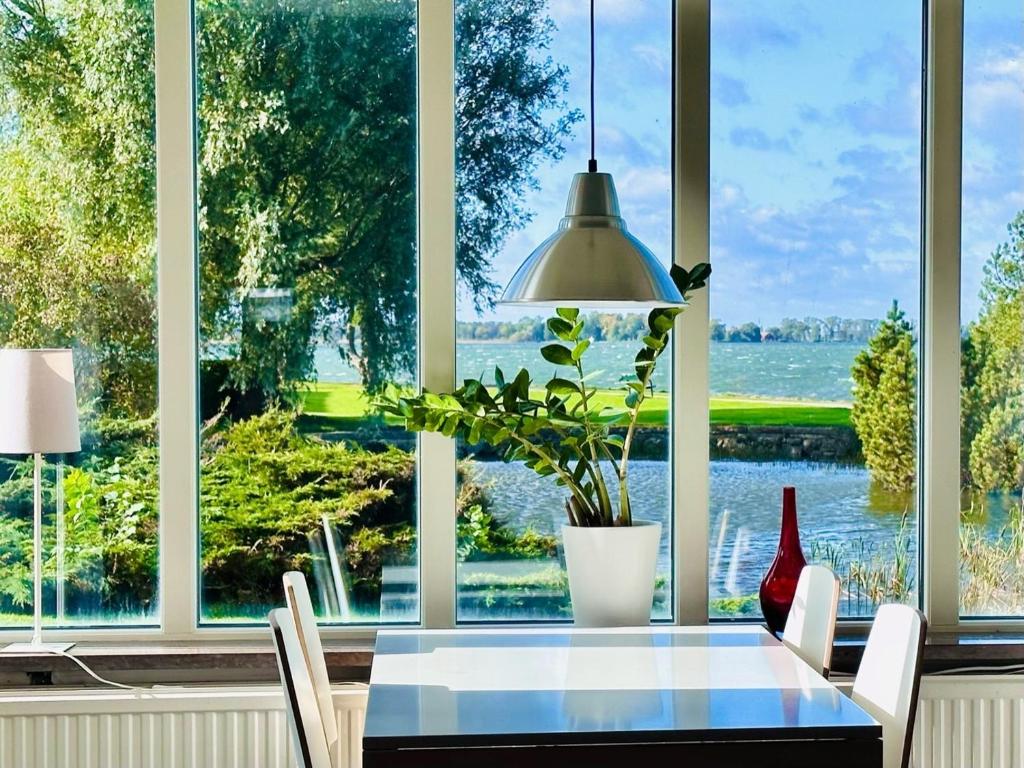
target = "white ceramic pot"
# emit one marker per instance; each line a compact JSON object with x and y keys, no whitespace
{"x":611,"y":573}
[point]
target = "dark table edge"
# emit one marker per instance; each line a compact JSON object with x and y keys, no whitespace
{"x":781,"y":733}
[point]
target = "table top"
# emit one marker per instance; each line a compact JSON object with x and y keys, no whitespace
{"x":494,"y":687}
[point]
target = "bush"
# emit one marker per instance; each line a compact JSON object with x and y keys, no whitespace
{"x":266,"y":491}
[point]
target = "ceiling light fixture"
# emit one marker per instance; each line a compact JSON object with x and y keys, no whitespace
{"x":592,"y":259}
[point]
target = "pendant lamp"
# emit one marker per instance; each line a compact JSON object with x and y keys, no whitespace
{"x":592,"y":259}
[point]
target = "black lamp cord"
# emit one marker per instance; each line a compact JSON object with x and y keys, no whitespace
{"x":592,"y":165}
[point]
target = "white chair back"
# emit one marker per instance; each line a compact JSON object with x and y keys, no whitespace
{"x":304,"y":721}
{"x":811,"y":624}
{"x":889,"y":678}
{"x":297,"y":595}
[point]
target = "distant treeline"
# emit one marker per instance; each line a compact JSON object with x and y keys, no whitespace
{"x":790,"y":329}
{"x":615,"y":327}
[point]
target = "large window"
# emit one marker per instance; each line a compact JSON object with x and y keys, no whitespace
{"x":520,"y":138}
{"x":308,"y":305}
{"x":992,"y":311}
{"x":77,"y":269}
{"x":302,"y":122}
{"x":815,"y":241}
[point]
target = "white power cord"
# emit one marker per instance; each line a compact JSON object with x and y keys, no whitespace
{"x":138,"y":689}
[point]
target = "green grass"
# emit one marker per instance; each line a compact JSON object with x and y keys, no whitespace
{"x":344,"y":406}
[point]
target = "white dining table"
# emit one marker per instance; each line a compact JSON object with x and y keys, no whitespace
{"x":717,"y":695}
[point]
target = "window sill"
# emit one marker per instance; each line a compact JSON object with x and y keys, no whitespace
{"x":150,"y":662}
{"x":944,"y":651}
{"x":250,"y":661}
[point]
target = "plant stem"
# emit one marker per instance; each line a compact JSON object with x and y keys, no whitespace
{"x":604,"y":498}
{"x":625,"y":511}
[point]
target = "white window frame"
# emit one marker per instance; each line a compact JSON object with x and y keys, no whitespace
{"x":178,"y":342}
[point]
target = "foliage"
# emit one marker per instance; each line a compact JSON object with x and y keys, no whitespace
{"x":562,"y":434}
{"x":992,"y":373}
{"x":481,"y":537}
{"x":266,"y":490}
{"x":307,"y":163}
{"x":77,"y":171}
{"x":992,"y":569}
{"x":884,"y":402}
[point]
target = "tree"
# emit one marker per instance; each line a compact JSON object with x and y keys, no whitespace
{"x":307,"y":167}
{"x":992,"y":373}
{"x":884,"y":402}
{"x":77,"y":221}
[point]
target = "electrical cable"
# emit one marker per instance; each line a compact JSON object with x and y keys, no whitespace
{"x":592,"y":165}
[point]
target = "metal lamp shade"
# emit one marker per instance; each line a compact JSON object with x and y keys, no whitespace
{"x":38,"y":405}
{"x":592,"y":259}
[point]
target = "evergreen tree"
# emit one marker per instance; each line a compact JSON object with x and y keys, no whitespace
{"x":884,"y":402}
{"x":992,"y":373}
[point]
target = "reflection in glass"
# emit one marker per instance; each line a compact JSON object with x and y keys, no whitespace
{"x":77,"y":269}
{"x":307,"y":306}
{"x":992,"y":312}
{"x":815,"y":219}
{"x":510,"y":561}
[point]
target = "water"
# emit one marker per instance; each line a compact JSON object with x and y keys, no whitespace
{"x":835,"y":504}
{"x":794,"y":370}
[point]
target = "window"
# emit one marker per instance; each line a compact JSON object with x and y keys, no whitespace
{"x":77,"y":269}
{"x":992,"y":312}
{"x":815,"y":241}
{"x":511,"y":192}
{"x":308,"y":306}
{"x":306,"y":298}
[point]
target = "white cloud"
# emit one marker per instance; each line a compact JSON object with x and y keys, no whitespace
{"x":995,"y":84}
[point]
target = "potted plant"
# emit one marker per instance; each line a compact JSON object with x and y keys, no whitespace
{"x":560,"y":432}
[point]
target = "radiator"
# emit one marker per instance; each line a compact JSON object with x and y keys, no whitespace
{"x":963,"y":722}
{"x":970,"y":722}
{"x":216,"y":727}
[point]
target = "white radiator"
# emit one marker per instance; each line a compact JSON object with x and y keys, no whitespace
{"x":216,"y":727}
{"x":963,"y":722}
{"x":970,"y":722}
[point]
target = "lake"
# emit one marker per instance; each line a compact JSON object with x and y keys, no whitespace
{"x":800,"y":370}
{"x":834,"y":503}
{"x":836,"y":507}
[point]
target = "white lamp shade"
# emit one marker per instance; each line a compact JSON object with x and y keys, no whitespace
{"x":38,"y":406}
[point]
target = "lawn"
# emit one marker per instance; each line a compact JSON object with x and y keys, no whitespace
{"x":344,"y":406}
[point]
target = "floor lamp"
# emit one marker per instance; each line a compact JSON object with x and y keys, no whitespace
{"x":38,"y":414}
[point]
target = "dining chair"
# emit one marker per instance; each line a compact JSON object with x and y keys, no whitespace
{"x":811,"y":624}
{"x":304,"y":721}
{"x":889,"y":678}
{"x":297,"y":596}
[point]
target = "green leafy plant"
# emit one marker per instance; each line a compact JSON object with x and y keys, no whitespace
{"x":561,"y":433}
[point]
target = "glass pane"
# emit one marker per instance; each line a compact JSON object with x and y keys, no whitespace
{"x":992,"y":311}
{"x":815,"y":239}
{"x":522,"y":73}
{"x":308,"y":305}
{"x":77,"y":269}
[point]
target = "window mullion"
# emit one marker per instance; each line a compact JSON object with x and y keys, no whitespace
{"x":691,"y":243}
{"x":176,"y":300}
{"x":940,"y":457}
{"x":436,"y":210}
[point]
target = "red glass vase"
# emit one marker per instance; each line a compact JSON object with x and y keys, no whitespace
{"x":779,"y":583}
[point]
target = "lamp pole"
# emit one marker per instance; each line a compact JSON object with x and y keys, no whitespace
{"x":37,"y":550}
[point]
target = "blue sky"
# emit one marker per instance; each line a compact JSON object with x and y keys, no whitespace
{"x":815,"y":146}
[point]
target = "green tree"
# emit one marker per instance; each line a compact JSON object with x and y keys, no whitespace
{"x":992,"y":373}
{"x":884,"y":402}
{"x":307,"y":166}
{"x":77,"y":220}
